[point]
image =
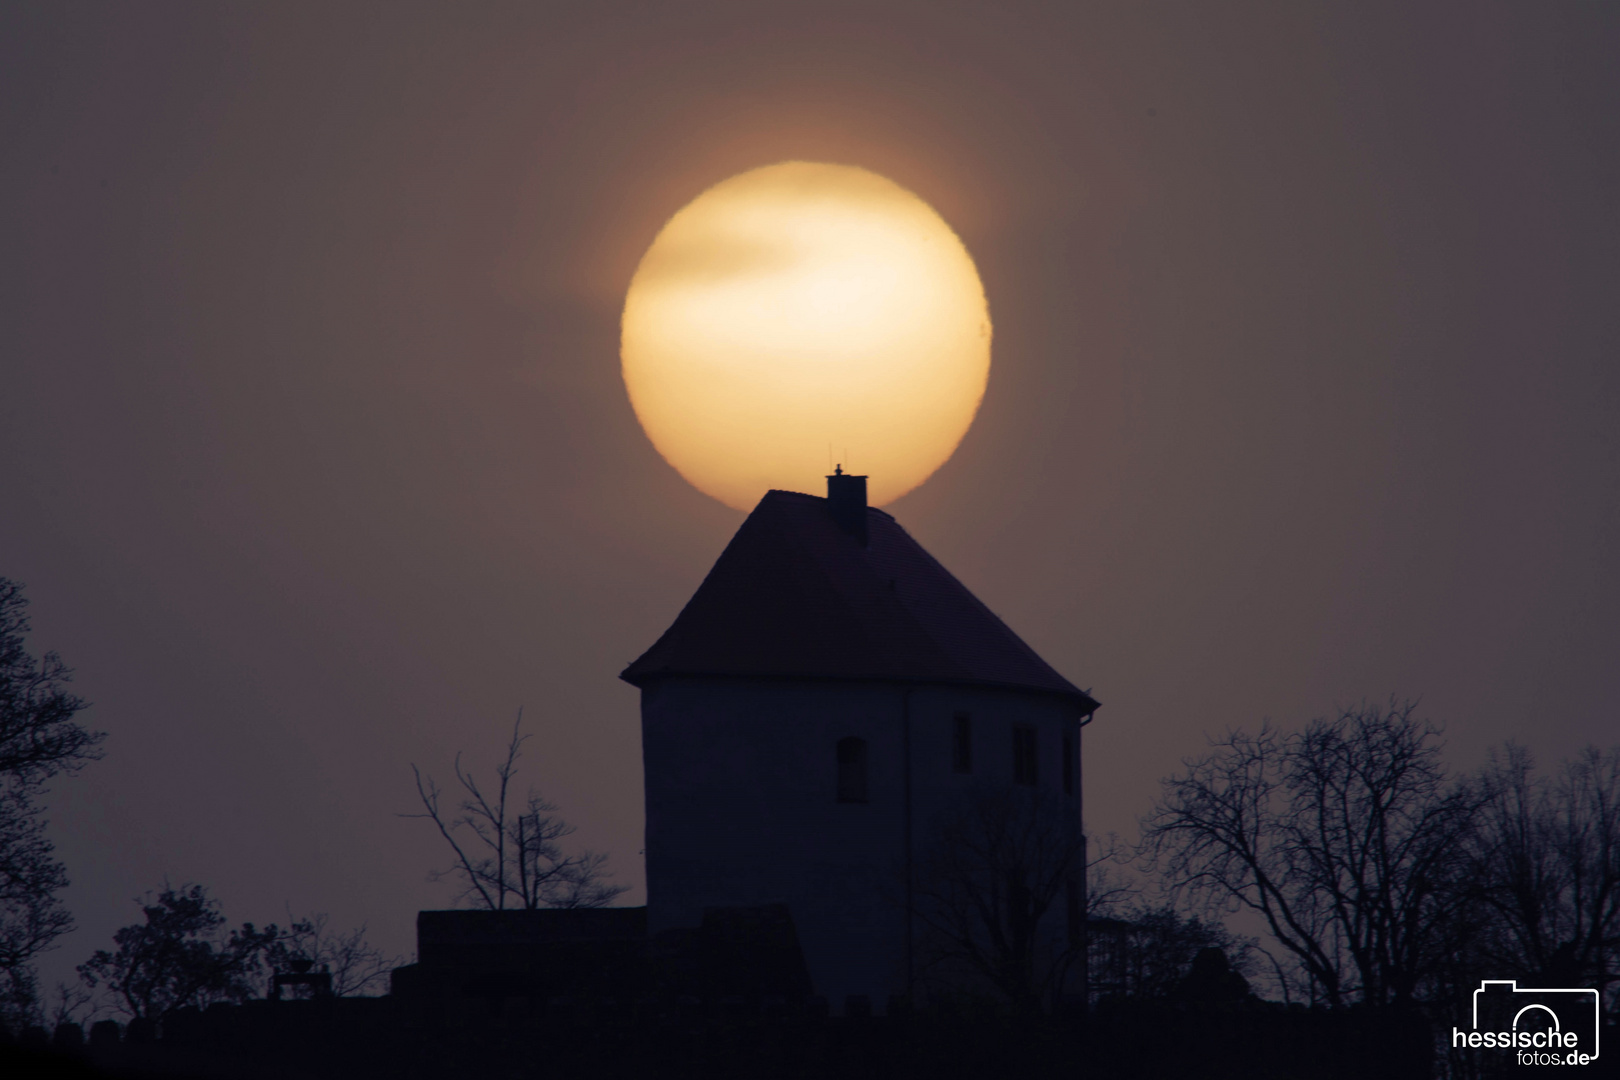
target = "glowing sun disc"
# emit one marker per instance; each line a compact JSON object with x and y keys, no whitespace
{"x":800,"y":310}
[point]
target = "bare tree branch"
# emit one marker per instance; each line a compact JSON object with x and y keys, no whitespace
{"x":513,"y":856}
{"x":997,"y":861}
{"x":1346,"y":838}
{"x":355,"y":965}
{"x":1546,"y":862}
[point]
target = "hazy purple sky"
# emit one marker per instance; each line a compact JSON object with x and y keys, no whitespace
{"x":316,"y":461}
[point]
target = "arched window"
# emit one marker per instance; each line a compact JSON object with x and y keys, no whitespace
{"x":852,"y":770}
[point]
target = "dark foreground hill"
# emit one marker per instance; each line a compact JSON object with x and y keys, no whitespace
{"x":512,"y":1038}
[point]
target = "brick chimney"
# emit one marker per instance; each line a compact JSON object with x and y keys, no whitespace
{"x":846,"y":501}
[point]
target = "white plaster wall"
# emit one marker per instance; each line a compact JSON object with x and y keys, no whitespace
{"x":741,"y":786}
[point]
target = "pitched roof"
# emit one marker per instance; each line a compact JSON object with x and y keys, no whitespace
{"x":795,"y":596}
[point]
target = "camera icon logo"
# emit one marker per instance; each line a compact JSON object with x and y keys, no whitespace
{"x":1543,"y":1025}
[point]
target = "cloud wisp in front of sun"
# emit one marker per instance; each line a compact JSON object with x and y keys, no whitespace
{"x":801,"y":309}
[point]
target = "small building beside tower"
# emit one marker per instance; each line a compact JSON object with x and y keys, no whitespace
{"x":826,"y":693}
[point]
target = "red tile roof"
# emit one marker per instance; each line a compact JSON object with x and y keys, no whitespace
{"x":794,"y":596}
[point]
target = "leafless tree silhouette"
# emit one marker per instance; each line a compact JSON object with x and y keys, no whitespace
{"x":1146,"y":952}
{"x":997,"y":862}
{"x":38,"y":740}
{"x":1546,"y":863}
{"x":512,"y":858}
{"x":1347,"y":838}
{"x":356,"y":966}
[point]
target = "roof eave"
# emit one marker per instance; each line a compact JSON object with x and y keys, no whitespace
{"x":639,"y":680}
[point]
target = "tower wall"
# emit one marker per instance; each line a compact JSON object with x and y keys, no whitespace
{"x":742,"y":805}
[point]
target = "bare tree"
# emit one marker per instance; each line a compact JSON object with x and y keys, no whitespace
{"x":1111,"y":890}
{"x":38,"y":740}
{"x":506,"y":857}
{"x":31,"y":915}
{"x":999,"y":859}
{"x":70,"y":1003}
{"x":1347,"y":839}
{"x":357,"y":967}
{"x":1546,"y":863}
{"x":1147,"y":952}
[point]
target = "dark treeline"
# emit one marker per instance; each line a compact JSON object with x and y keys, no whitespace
{"x":181,"y":953}
{"x":1384,"y":879}
{"x":39,"y":741}
{"x":1313,"y":902}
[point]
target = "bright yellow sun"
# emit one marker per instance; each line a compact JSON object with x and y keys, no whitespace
{"x":798,"y":311}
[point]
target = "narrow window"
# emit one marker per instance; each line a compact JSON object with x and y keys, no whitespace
{"x":962,"y":746}
{"x":1024,"y":755}
{"x":1071,"y":888}
{"x":1068,"y":765}
{"x":852,"y":770}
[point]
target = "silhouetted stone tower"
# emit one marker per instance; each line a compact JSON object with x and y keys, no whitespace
{"x":825,"y":692}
